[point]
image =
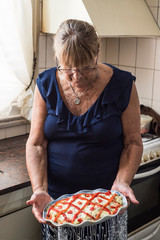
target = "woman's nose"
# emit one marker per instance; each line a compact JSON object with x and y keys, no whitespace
{"x":77,"y":74}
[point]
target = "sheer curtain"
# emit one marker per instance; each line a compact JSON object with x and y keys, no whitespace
{"x":16,"y":58}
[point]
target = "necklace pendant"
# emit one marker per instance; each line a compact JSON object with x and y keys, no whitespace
{"x":77,"y":101}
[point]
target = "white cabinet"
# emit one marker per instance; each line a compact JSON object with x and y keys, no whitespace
{"x":16,"y":219}
{"x":20,"y":225}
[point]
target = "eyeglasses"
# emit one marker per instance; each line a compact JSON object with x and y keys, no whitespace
{"x":71,"y":71}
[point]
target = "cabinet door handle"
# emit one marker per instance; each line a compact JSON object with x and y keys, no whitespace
{"x":147,"y":174}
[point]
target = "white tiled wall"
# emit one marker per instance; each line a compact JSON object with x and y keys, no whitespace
{"x":140,"y":56}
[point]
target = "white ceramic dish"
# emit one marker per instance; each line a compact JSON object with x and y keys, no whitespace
{"x":86,"y":222}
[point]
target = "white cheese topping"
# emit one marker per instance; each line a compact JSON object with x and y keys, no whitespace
{"x":83,"y":208}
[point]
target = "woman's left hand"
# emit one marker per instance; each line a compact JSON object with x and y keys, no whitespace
{"x":126,"y":190}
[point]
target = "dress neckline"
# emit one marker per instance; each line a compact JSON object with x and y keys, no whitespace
{"x":104,"y":89}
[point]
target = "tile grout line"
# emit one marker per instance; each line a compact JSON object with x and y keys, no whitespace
{"x":136,"y":55}
{"x":45,"y":51}
{"x":118,"y":51}
{"x":158,"y":11}
{"x":106,"y":51}
{"x":154,"y":73}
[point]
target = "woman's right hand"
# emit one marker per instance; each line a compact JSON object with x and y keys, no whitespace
{"x":39,"y":200}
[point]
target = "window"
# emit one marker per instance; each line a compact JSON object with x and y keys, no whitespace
{"x":16,"y":58}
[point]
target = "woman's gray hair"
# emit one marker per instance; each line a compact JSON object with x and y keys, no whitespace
{"x":76,"y":43}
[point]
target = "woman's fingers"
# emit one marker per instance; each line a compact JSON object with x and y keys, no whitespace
{"x":38,"y":215}
{"x":128,"y":201}
{"x":132,"y":198}
{"x":126,"y":190}
{"x":38,"y":201}
{"x":32,"y":200}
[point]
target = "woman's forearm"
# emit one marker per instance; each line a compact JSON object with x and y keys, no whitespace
{"x":36,"y":160}
{"x":129,"y":163}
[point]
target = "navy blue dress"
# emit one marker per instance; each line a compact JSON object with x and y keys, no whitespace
{"x":84,"y":151}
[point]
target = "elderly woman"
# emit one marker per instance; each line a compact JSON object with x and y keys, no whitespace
{"x":85,"y":130}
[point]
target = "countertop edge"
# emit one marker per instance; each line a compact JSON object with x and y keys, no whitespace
{"x":15,"y":187}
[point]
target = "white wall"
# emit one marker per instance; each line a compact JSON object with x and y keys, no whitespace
{"x":140,"y":56}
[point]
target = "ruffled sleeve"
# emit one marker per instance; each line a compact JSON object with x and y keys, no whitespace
{"x":41,"y":85}
{"x":119,"y":89}
{"x":47,"y":87}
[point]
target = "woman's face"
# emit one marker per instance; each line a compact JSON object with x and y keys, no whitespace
{"x":79,"y":76}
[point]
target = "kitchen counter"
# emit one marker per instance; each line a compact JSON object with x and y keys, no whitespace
{"x":13,"y":171}
{"x":15,"y":190}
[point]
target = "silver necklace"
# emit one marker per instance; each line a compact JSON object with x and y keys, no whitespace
{"x":77,"y":101}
